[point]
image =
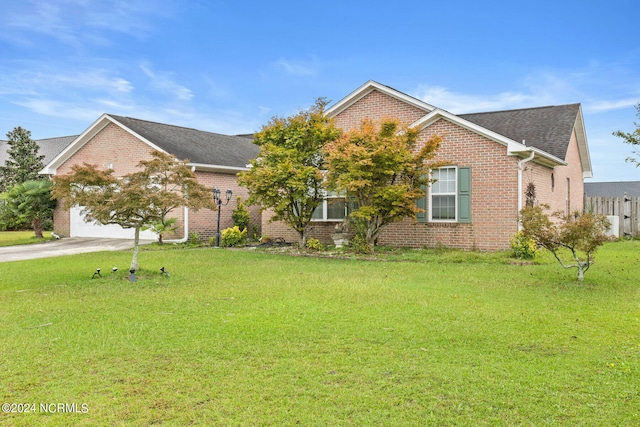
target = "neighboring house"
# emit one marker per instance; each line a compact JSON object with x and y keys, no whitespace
{"x":119,"y":143}
{"x":612,"y":189}
{"x":493,"y":157}
{"x":49,"y":147}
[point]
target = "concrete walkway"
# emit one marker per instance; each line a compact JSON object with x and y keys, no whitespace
{"x":69,"y":246}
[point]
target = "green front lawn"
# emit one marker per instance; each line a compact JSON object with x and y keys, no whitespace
{"x":238,"y":337}
{"x":12,"y":238}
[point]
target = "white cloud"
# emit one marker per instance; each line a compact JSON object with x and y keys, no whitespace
{"x":533,"y":90}
{"x":61,"y":109}
{"x":263,"y":111}
{"x":459,"y":103}
{"x":165,"y":82}
{"x":61,"y":83}
{"x":93,"y":79}
{"x":609,"y":105}
{"x":79,"y":22}
{"x":297,"y":68}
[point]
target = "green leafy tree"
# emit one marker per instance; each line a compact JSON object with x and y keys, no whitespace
{"x":136,"y":200}
{"x":286,"y":176}
{"x":383,"y":168}
{"x":578,"y":235}
{"x":30,"y":203}
{"x":24,"y":162}
{"x":632,"y":138}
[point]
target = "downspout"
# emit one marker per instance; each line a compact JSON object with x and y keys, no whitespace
{"x":186,"y":228}
{"x":185,"y":237}
{"x":520,"y":169}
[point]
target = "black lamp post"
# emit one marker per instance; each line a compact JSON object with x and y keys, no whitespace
{"x":218,"y":201}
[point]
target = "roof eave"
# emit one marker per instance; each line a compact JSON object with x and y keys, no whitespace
{"x":71,"y":149}
{"x":583,"y":146}
{"x":85,"y":137}
{"x":541,"y":157}
{"x":437,"y":114}
{"x":217,"y":168}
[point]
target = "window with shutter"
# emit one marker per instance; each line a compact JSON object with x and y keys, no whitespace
{"x":464,"y":195}
{"x":449,"y":198}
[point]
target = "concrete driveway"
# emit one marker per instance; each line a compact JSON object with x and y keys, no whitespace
{"x":69,"y":246}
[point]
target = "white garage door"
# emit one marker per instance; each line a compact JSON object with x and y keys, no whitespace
{"x":81,"y":228}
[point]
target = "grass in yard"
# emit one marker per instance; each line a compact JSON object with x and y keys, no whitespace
{"x":237,"y":337}
{"x":12,"y":238}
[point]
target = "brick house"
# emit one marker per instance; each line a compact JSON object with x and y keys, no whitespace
{"x":119,"y":143}
{"x":492,"y":159}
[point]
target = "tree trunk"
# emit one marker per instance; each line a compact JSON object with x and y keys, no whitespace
{"x":37,"y":227}
{"x":136,"y":244}
{"x":302,"y":239}
{"x":580,"y":272}
{"x":371,"y":236}
{"x":159,"y":238}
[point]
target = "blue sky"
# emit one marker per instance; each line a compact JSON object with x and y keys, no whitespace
{"x":229,"y":66}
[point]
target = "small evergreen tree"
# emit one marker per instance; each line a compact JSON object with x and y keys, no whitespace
{"x":241,"y":216}
{"x":24,"y":163}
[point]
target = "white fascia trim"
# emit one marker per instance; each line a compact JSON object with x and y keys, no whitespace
{"x":217,"y":168}
{"x":513,"y":147}
{"x":76,"y":144}
{"x":85,"y":137}
{"x":542,"y":157}
{"x":369,"y":87}
{"x":583,"y":146}
{"x":438,"y":114}
{"x":146,"y":141}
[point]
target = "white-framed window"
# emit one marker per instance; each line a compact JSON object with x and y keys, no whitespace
{"x":332,"y":208}
{"x":444,"y":195}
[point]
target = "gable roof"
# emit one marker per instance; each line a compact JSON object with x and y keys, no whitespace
{"x":612,"y":189}
{"x":547,"y":128}
{"x":545,"y":131}
{"x":49,"y":147}
{"x":369,"y":87}
{"x":205,"y":150}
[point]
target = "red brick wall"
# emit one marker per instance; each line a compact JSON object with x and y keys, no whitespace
{"x":494,"y":177}
{"x":112,"y":146}
{"x":551,"y":183}
{"x":494,"y":184}
{"x":61,"y":221}
{"x":204,"y":221}
{"x":117,"y":147}
{"x":375,"y":106}
{"x":320,"y":230}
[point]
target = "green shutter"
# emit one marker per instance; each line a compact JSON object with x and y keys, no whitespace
{"x":422,"y":204}
{"x":351,"y":205}
{"x":464,"y":195}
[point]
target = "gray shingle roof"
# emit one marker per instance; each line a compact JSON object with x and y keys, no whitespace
{"x":612,"y":189}
{"x":197,"y":146}
{"x":546,"y":128}
{"x":49,"y":147}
